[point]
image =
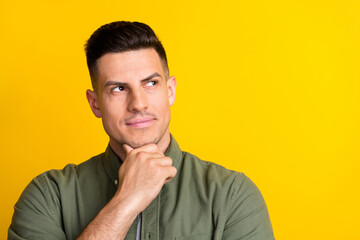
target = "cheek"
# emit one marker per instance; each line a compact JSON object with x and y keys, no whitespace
{"x":162,"y":103}
{"x":164,"y":108}
{"x":112,"y":112}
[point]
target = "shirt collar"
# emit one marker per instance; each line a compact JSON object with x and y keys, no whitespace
{"x":112,"y":162}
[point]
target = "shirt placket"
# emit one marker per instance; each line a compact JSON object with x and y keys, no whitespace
{"x":150,"y":221}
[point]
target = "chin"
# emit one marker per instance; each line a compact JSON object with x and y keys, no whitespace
{"x":136,"y":143}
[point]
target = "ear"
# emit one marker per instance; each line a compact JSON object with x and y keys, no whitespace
{"x":93,"y":102}
{"x":171,"y":84}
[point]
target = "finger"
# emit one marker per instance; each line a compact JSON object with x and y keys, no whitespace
{"x":151,"y":148}
{"x":163,"y":161}
{"x":171,"y":174}
{"x":148,"y":156}
{"x":168,"y":180}
{"x":127,"y":148}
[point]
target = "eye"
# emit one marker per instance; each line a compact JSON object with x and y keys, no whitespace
{"x":151,"y":83}
{"x":118,"y":89}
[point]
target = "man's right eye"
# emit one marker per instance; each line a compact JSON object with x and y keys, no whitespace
{"x":118,"y":89}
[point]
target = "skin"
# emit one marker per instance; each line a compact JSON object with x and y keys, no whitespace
{"x":133,"y":99}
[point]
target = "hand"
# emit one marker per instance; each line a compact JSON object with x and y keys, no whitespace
{"x":142,"y":175}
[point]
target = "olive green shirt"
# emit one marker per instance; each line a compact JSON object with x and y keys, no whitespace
{"x":203,"y":201}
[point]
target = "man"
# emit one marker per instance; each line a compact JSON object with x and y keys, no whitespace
{"x":143,"y":186}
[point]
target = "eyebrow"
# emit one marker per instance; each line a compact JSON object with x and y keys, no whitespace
{"x":109,"y":83}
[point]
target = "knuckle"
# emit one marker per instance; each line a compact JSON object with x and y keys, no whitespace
{"x":170,"y":161}
{"x":152,"y":163}
{"x":141,"y":156}
{"x":132,"y":153}
{"x":174,"y":171}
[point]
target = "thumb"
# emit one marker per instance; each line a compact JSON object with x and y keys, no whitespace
{"x":127,"y":148}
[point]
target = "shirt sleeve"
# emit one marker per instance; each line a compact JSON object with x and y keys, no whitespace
{"x":35,"y":216}
{"x":248,"y":217}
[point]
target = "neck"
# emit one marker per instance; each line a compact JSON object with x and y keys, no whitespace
{"x":162,"y":144}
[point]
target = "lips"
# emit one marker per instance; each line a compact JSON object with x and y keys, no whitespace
{"x":140,"y":122}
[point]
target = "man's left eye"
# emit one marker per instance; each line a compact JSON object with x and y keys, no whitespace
{"x":151,"y":83}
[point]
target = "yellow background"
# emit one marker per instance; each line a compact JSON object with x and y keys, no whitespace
{"x":270,"y":88}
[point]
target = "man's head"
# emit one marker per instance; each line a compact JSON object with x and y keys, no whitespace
{"x":132,"y":88}
{"x":121,"y":36}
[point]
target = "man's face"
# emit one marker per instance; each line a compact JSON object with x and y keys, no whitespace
{"x":133,"y":97}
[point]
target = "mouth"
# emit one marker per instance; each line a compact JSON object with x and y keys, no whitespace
{"x":140,"y":122}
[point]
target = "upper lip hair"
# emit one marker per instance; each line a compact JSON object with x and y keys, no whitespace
{"x":139,"y":120}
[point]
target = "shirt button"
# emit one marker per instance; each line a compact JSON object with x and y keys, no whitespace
{"x":116,"y":182}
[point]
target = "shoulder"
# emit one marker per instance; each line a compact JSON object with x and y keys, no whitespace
{"x":74,"y":170}
{"x":43,"y":192}
{"x":42,"y":201}
{"x":233,"y":187}
{"x":211,"y":171}
{"x":234,"y":198}
{"x":55,"y":178}
{"x":225,"y":185}
{"x":237,"y":185}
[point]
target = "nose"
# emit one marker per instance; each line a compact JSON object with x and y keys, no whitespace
{"x":137,"y":101}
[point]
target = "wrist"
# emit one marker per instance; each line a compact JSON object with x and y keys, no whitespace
{"x":124,"y":206}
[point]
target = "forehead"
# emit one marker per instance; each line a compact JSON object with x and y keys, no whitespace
{"x":128,"y":66}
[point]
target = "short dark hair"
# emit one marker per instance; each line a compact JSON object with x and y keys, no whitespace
{"x":121,"y":36}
